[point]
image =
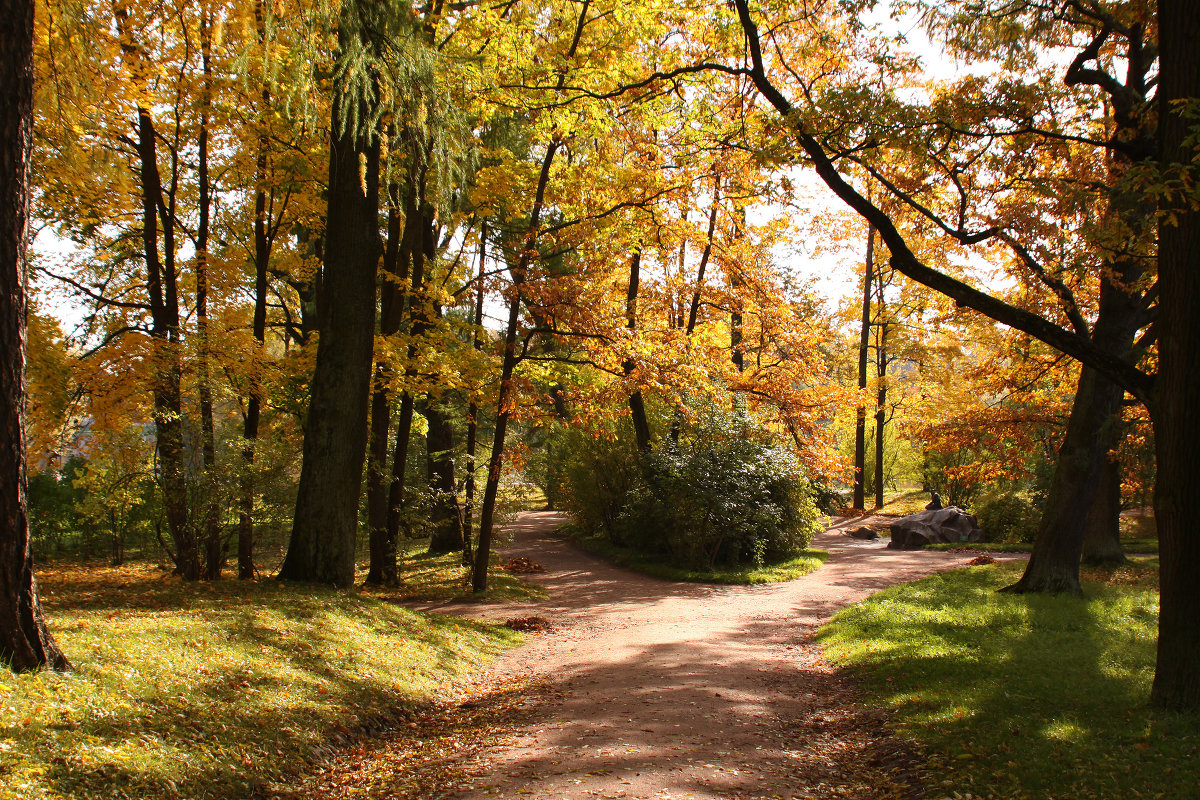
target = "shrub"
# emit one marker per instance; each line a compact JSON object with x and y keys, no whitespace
{"x":720,"y":497}
{"x":1007,"y":517}
{"x":590,"y":473}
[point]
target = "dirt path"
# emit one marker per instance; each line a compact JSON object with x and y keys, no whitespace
{"x":657,"y":689}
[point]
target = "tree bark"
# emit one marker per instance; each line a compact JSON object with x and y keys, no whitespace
{"x":637,"y":406}
{"x":382,"y":569}
{"x":1176,"y":423}
{"x":322,"y":545}
{"x":860,"y":412}
{"x":25,"y":643}
{"x":1102,"y":533}
{"x":210,"y":499}
{"x":880,"y":402}
{"x":446,"y":515}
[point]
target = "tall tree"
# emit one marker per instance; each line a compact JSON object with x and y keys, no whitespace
{"x":25,"y":643}
{"x":322,"y":544}
{"x":864,"y":340}
{"x":1169,"y":392}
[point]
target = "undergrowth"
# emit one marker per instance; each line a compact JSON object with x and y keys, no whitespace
{"x":788,"y":569}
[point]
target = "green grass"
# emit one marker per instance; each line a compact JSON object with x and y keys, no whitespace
{"x":215,"y":690}
{"x":793,"y":568}
{"x":1023,"y":696}
{"x":986,"y":547}
{"x":443,"y":577}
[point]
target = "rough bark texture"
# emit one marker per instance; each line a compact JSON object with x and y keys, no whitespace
{"x":25,"y":644}
{"x":1176,"y":423}
{"x":1102,"y":533}
{"x":322,"y":544}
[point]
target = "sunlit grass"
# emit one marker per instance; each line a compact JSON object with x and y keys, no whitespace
{"x":214,"y":690}
{"x":802,"y":564}
{"x":444,"y":577}
{"x":1022,"y":696}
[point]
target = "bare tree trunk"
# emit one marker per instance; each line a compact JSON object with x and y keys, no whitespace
{"x":880,"y":401}
{"x":473,"y":407}
{"x":322,"y":545}
{"x":446,"y":514}
{"x":383,"y":567}
{"x":210,"y":499}
{"x":637,"y":406}
{"x":860,"y":412}
{"x":25,"y":643}
{"x":1102,"y":534}
{"x":1176,"y":423}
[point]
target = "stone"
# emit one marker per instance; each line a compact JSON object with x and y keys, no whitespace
{"x":946,"y":525}
{"x":862,"y":533}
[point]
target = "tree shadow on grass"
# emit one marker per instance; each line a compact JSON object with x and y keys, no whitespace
{"x":1038,"y":696}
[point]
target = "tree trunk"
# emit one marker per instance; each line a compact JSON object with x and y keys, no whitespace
{"x":880,"y":402}
{"x":637,"y":406}
{"x":1176,"y":423}
{"x":214,"y":559}
{"x":1102,"y":533}
{"x":1054,"y":564}
{"x":383,"y":568}
{"x":25,"y":644}
{"x":446,"y":515}
{"x":322,"y":545}
{"x":473,"y":407}
{"x":860,"y":413}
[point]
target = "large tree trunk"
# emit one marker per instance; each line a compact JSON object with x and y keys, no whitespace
{"x":1054,"y":565}
{"x":860,"y":412}
{"x":1102,"y":534}
{"x":1176,"y":423}
{"x":322,"y":545}
{"x":25,"y":644}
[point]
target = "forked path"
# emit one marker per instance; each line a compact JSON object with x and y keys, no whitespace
{"x":659,"y":689}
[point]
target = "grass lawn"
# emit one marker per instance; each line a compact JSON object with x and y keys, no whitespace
{"x":217,"y":690}
{"x":788,"y":570}
{"x":1024,"y":696}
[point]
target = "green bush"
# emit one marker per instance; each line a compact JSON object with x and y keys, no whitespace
{"x":1007,"y":517}
{"x":590,"y":473}
{"x":720,"y":497}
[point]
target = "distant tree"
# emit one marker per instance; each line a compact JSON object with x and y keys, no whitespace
{"x":25,"y":644}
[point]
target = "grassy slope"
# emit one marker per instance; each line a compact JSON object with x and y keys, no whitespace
{"x":217,"y":690}
{"x":1024,"y":696}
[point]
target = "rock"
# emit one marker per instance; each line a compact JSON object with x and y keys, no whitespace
{"x":935,"y":526}
{"x":862,"y":533}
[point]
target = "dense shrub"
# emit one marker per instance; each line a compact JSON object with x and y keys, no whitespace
{"x":1007,"y":517}
{"x":590,"y":473}
{"x":720,"y":502}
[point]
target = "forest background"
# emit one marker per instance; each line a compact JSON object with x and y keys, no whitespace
{"x":286,"y":225}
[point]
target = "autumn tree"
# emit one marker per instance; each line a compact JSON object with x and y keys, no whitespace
{"x":25,"y":643}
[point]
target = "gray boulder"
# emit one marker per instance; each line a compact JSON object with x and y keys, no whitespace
{"x":934,"y":526}
{"x":863,"y":533}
